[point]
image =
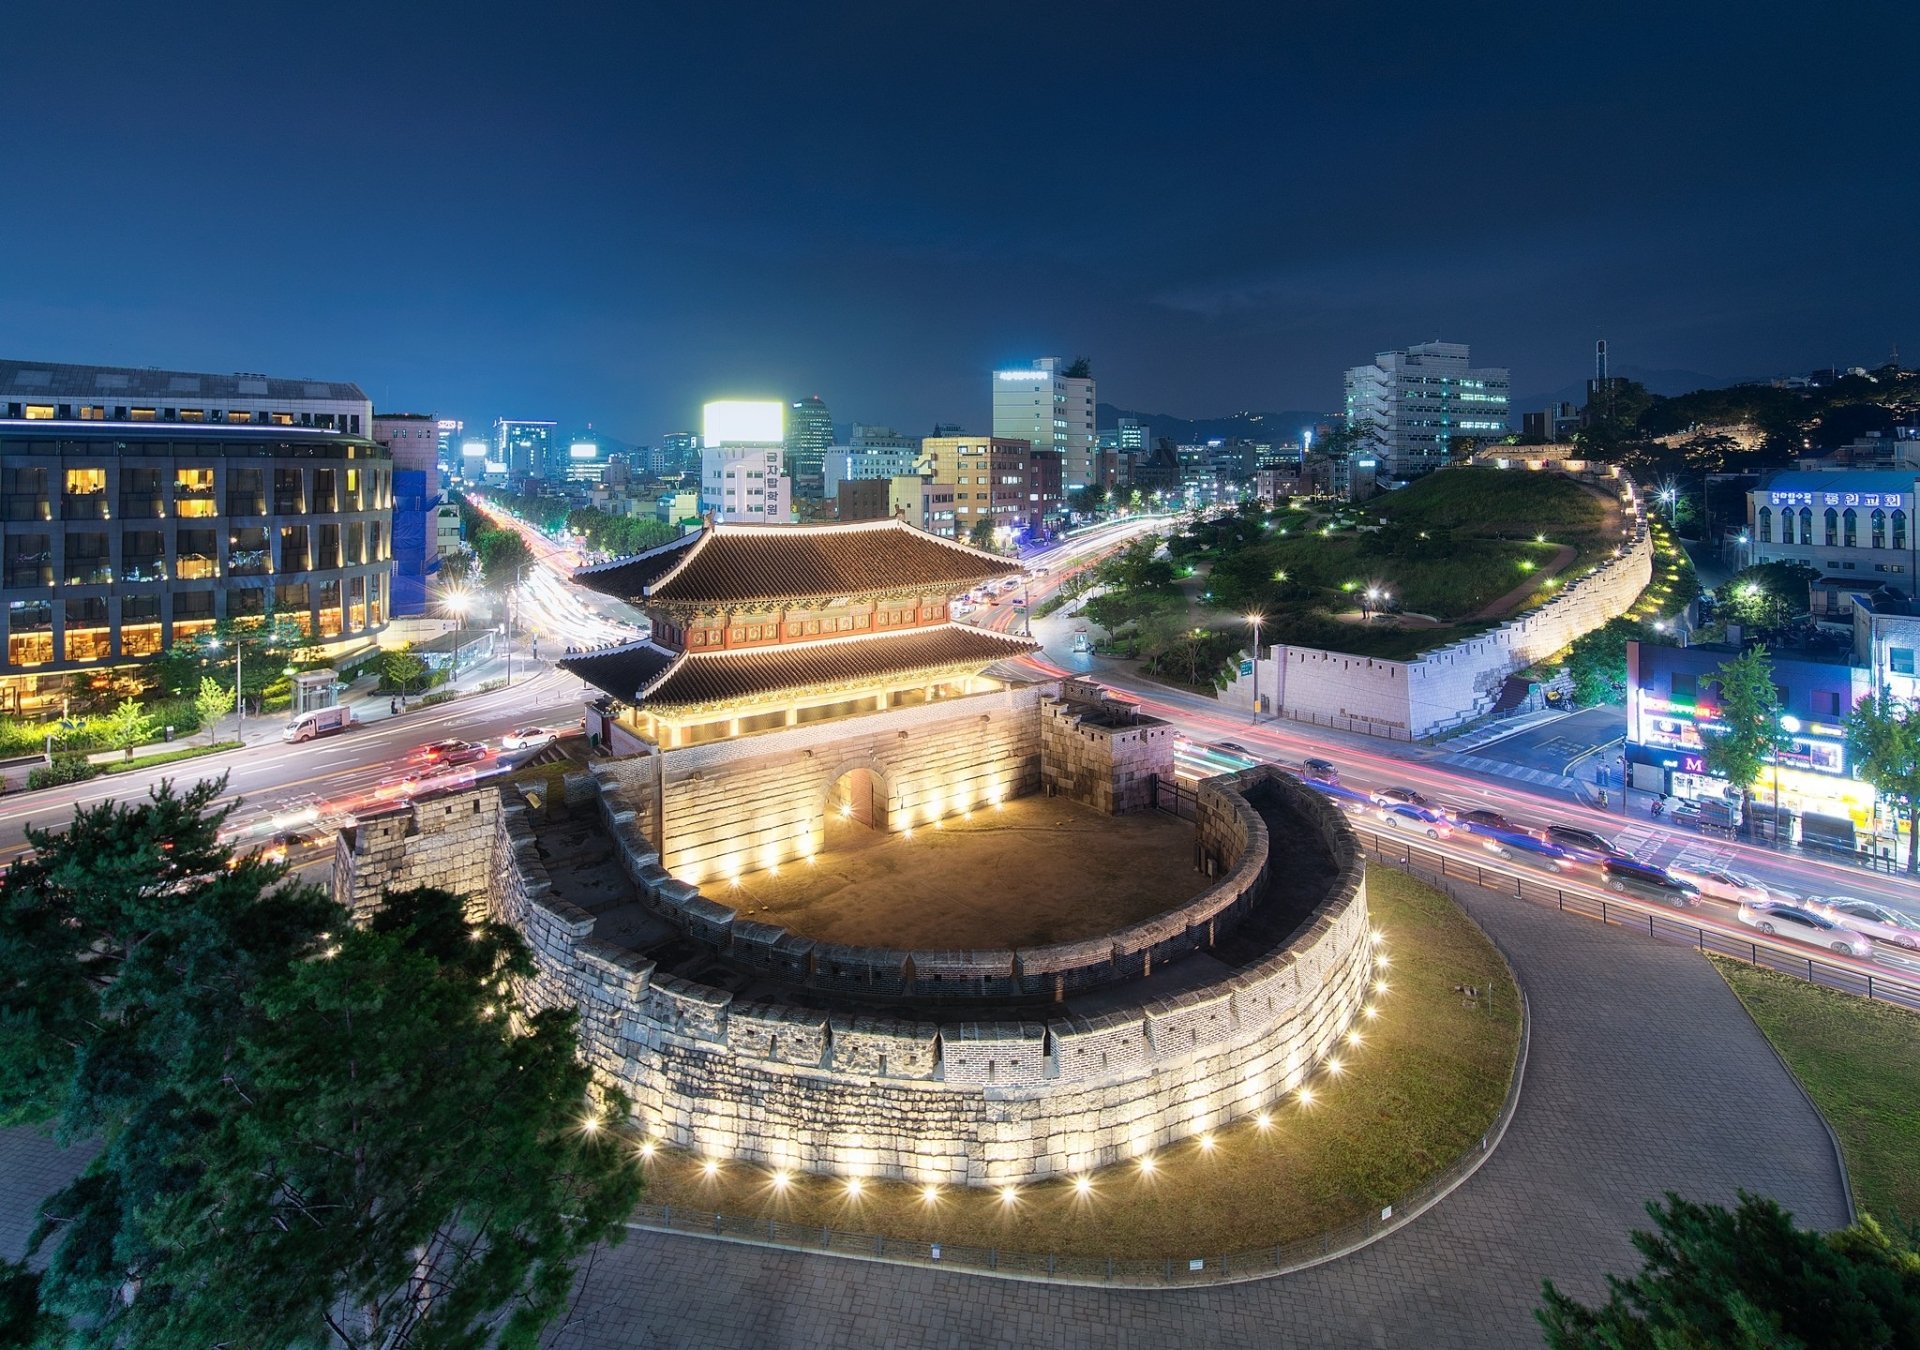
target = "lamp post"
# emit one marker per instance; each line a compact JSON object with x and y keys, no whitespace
{"x":1255,"y":619}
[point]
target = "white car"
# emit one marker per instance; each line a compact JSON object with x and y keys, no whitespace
{"x":1721,"y":884}
{"x":1871,"y":918}
{"x":526,"y":738}
{"x":1803,"y":925}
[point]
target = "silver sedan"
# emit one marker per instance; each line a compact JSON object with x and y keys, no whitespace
{"x":1871,"y":918}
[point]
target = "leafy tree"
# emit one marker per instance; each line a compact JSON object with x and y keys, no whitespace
{"x":126,"y":726}
{"x":1749,"y":734}
{"x":1766,"y":597}
{"x":1883,"y":741}
{"x":212,"y":702}
{"x":1090,"y":500}
{"x":456,"y":569}
{"x":402,"y":669}
{"x":1597,"y":661}
{"x":317,"y":1133}
{"x":502,"y":553}
{"x":981,"y":535}
{"x":177,"y":670}
{"x":1081,"y":369}
{"x":1748,"y":1280}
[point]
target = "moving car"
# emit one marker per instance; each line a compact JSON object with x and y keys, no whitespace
{"x":1805,"y":926}
{"x":1232,"y":748}
{"x":1721,"y":884}
{"x":1869,"y":917}
{"x":1401,"y":816}
{"x":454,"y":752}
{"x":1582,"y":845}
{"x":525,"y":738}
{"x":1320,"y":771}
{"x":1406,"y":796}
{"x":1649,"y":883}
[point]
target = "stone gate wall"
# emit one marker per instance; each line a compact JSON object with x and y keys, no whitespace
{"x":975,"y":1103}
{"x":1455,"y":683}
{"x":743,"y":805}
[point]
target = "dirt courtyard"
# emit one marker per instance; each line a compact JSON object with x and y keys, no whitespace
{"x":1034,"y":871}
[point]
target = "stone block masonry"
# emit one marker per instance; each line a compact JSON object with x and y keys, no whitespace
{"x":1098,"y":752}
{"x":760,"y":801}
{"x":827,"y":1082}
{"x":446,"y":842}
{"x":962,"y":1102}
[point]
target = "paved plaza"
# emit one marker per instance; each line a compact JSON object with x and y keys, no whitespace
{"x":1645,"y":1075}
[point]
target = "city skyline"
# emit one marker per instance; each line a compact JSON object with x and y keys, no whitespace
{"x":570,"y":222}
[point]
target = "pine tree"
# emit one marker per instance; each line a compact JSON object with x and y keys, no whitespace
{"x":317,"y":1132}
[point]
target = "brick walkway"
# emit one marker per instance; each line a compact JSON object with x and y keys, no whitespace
{"x":1645,"y":1075}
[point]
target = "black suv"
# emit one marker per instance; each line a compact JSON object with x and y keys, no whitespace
{"x":1583,"y":844}
{"x":1649,"y":883}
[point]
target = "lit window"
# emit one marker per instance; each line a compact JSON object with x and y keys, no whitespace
{"x":39,"y":412}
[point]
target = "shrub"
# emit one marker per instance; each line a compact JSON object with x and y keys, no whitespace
{"x":75,"y":770}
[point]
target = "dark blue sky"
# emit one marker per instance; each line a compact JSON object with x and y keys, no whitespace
{"x":611,"y":213}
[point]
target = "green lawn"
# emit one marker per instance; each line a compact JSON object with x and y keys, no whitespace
{"x":1860,"y":1062}
{"x":1420,"y":1091}
{"x":1447,"y":547}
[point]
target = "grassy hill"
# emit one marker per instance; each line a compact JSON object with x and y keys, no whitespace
{"x":1448,"y":547}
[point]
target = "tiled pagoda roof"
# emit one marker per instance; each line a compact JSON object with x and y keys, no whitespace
{"x":661,"y":680}
{"x":733,"y":564}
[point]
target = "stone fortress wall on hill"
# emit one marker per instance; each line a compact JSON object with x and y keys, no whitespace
{"x":859,"y":1090}
{"x":1456,"y":683}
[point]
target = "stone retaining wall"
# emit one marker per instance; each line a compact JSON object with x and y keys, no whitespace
{"x":973,"y":1103}
{"x":1456,"y":683}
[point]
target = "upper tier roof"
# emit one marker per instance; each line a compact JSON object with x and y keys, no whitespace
{"x":654,"y":677}
{"x":730,"y":564}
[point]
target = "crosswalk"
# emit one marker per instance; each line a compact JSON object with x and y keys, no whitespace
{"x":1559,"y":782}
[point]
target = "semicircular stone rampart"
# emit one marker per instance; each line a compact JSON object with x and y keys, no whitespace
{"x":870,"y":1062}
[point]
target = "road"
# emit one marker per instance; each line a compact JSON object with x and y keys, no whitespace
{"x":1370,"y":765}
{"x":280,"y":786}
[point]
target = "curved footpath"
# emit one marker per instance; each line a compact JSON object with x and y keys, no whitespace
{"x":1644,"y":1075}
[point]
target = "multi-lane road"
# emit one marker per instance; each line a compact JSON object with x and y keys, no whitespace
{"x":308,"y":787}
{"x":1368,"y":765}
{"x":280,"y":787}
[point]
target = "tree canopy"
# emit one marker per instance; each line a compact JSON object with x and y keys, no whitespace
{"x":1749,"y":734}
{"x":1883,"y":743}
{"x":316,"y":1132}
{"x":1747,"y":1280}
{"x":1765,"y":597}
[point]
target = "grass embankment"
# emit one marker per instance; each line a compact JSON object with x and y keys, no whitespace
{"x":1860,"y":1062}
{"x":1448,"y":547}
{"x":1421,"y":1090}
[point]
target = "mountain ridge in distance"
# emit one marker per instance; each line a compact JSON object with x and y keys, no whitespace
{"x":1246,"y":426}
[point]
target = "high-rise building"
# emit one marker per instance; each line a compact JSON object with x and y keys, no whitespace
{"x":809,"y":435}
{"x":993,"y":478}
{"x":1132,"y":436}
{"x":876,"y":452}
{"x":448,"y":433}
{"x":140,"y":507}
{"x":1413,"y":403}
{"x":678,"y":452}
{"x":524,"y":446}
{"x":1050,"y":406}
{"x":742,"y":465}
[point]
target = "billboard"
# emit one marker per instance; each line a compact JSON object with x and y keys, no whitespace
{"x":737,"y":421}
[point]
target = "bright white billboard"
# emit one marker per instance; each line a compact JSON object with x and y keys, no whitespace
{"x":737,"y":421}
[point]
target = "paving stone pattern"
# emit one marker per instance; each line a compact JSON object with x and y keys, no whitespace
{"x":1645,"y":1075}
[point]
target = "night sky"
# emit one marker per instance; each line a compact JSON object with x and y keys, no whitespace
{"x":610,"y":214}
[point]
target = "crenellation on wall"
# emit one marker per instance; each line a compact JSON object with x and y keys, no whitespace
{"x":868,"y":1093}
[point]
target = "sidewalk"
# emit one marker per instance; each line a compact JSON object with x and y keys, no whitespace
{"x":369,"y":705}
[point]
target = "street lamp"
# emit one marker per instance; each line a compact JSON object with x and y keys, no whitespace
{"x":459,"y":603}
{"x":1255,"y":619}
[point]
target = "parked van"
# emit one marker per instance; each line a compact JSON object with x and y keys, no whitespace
{"x":319,"y":722}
